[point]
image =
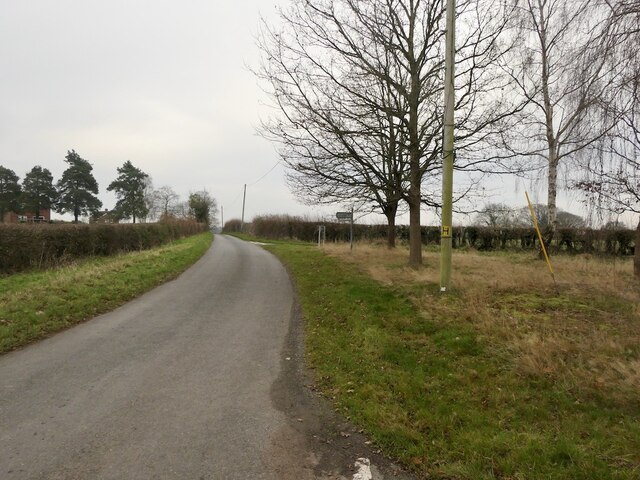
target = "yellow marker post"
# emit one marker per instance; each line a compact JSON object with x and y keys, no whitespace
{"x":544,"y":249}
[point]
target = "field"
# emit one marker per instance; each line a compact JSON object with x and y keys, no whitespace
{"x":506,"y":377}
{"x":38,"y":303}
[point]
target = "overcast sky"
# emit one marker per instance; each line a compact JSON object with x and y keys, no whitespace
{"x":163,"y":83}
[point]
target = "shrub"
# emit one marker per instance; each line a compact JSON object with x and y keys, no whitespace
{"x":571,"y":240}
{"x":232,"y":226}
{"x":28,"y":246}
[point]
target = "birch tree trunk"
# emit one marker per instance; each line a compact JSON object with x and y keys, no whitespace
{"x":552,"y":193}
{"x":552,"y":158}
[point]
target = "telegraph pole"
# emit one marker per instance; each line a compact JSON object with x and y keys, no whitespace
{"x":448,"y":151}
{"x":244,"y":198}
{"x":221,"y":217}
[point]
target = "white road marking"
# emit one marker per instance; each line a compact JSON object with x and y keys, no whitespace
{"x":364,"y":470}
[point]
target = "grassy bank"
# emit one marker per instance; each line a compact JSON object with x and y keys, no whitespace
{"x":38,"y":303}
{"x":503,"y":379}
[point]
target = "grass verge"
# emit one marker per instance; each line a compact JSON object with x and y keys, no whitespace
{"x":496,"y":381}
{"x":38,"y":303}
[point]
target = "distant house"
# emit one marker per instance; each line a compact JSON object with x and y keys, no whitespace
{"x":105,"y":217}
{"x":28,"y":217}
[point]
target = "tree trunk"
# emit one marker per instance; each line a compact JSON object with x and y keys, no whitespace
{"x":552,"y":226}
{"x":636,"y":255}
{"x":415,"y":175}
{"x":390,"y":213}
{"x":134,"y":219}
{"x":76,"y":214}
{"x":415,"y":233}
{"x":552,"y":178}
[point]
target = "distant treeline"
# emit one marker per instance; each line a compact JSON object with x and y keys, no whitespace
{"x":37,"y":246}
{"x":572,"y":240}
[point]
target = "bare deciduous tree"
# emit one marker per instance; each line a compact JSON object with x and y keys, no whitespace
{"x":562,"y":69}
{"x":164,"y":201}
{"x":612,"y":179}
{"x":359,"y":88}
{"x":495,"y":215}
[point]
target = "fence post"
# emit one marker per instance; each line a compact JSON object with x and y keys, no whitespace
{"x":351,"y":232}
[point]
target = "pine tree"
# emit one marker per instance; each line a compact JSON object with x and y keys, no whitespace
{"x":9,"y":192}
{"x":129,"y":188}
{"x":38,"y":192}
{"x":77,"y":189}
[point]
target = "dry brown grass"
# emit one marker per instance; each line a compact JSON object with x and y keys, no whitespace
{"x":583,"y":334}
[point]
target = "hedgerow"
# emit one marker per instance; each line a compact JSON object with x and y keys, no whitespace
{"x":571,"y":240}
{"x":37,"y":246}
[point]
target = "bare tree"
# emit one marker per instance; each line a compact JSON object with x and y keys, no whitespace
{"x":359,"y":88}
{"x":495,"y":215}
{"x":522,"y":217}
{"x":612,"y":179}
{"x":562,"y":69}
{"x":164,"y":200}
{"x":615,"y":187}
{"x":340,"y":149}
{"x":182,"y":210}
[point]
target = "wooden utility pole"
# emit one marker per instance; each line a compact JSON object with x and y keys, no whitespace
{"x":446,"y":243}
{"x":244,"y":198}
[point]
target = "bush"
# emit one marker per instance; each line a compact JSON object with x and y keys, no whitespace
{"x":571,"y":240}
{"x":232,"y":226}
{"x":28,"y":246}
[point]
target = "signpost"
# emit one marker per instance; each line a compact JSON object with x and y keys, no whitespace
{"x":322,"y":235}
{"x":347,"y":216}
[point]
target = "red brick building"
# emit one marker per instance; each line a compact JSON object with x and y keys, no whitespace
{"x":28,"y":217}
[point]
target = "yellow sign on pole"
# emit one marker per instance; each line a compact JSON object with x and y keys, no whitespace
{"x":446,"y":231}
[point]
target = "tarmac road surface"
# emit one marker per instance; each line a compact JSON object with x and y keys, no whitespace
{"x":200,"y":378}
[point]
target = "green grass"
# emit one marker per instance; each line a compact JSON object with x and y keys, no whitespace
{"x":439,"y":396}
{"x":38,"y":303}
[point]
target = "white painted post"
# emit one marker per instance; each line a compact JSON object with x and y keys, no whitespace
{"x":351,"y":231}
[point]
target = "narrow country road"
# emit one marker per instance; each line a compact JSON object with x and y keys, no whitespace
{"x":197,"y":379}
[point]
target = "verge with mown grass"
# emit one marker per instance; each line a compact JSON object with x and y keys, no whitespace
{"x":38,"y":303}
{"x":503,"y":379}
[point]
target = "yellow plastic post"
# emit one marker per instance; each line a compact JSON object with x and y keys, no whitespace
{"x":544,"y":249}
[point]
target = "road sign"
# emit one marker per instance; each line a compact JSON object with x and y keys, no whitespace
{"x":347,"y":216}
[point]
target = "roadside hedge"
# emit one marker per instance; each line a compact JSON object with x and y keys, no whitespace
{"x":570,"y":240}
{"x":37,"y":246}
